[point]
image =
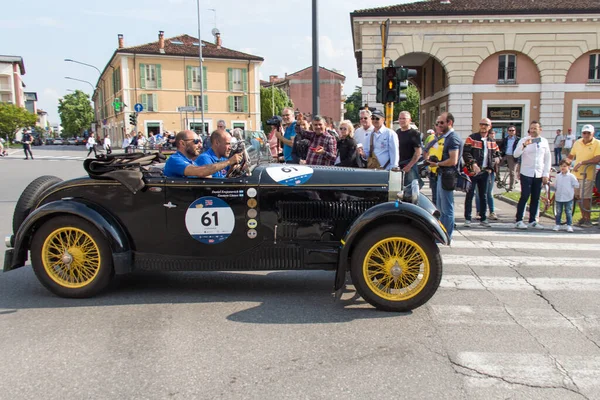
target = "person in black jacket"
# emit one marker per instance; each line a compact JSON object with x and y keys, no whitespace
{"x":27,"y":140}
{"x":507,"y":149}
{"x":480,"y":155}
{"x":346,"y":146}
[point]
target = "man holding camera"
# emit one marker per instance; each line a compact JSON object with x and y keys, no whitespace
{"x":287,"y":137}
{"x":536,"y":159}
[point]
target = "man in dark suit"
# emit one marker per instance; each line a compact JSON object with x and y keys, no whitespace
{"x":507,"y":149}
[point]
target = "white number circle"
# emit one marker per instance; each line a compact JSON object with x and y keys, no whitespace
{"x":290,"y":174}
{"x":209,"y":220}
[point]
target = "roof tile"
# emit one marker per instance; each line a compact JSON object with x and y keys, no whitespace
{"x":484,"y":7}
{"x":187,"y":48}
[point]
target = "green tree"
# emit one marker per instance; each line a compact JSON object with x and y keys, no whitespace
{"x":76,"y":113}
{"x":412,"y":105}
{"x":12,"y":118}
{"x":354,"y":105}
{"x":267,"y":95}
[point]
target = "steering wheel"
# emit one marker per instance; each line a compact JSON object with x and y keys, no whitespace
{"x":239,"y":170}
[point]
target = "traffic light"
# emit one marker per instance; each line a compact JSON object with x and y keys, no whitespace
{"x":403,"y":75}
{"x":390,"y":85}
{"x":133,"y":119}
{"x":379,"y":86}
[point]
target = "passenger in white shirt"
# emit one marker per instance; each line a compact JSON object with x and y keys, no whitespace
{"x":366,"y":127}
{"x":566,"y":183}
{"x":534,"y":151}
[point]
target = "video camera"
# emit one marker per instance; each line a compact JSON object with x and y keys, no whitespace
{"x":275,"y":121}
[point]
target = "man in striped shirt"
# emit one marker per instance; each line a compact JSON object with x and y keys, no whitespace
{"x":323,"y":147}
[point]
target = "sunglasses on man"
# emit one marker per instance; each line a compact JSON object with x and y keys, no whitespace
{"x":196,"y":141}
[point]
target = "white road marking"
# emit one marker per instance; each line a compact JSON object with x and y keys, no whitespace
{"x":546,"y":234}
{"x":481,"y":244}
{"x":498,"y":316}
{"x":533,"y":369}
{"x":520,"y":261}
{"x":470,"y":282}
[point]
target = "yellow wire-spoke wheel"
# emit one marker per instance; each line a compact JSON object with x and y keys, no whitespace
{"x":71,"y":257}
{"x":396,"y":269}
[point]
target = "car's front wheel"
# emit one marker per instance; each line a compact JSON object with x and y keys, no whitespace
{"x":71,"y":258}
{"x":396,"y":268}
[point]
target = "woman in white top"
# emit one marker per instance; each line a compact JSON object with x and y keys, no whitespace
{"x":91,"y":145}
{"x":106,"y":145}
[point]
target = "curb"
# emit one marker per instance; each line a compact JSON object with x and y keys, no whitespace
{"x":515,"y":203}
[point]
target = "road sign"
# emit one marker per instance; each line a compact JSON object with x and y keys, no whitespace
{"x":138,"y":107}
{"x":187,"y":109}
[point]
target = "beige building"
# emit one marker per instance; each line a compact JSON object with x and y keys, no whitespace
{"x":164,"y":75}
{"x":513,"y":61}
{"x":12,"y":88}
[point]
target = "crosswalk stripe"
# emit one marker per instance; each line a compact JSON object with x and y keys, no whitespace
{"x":533,"y":369}
{"x":458,"y":235}
{"x":499,"y":316}
{"x":520,"y":261}
{"x":481,"y":244}
{"x":470,"y":282}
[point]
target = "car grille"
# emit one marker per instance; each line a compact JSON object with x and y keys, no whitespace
{"x":313,"y":211}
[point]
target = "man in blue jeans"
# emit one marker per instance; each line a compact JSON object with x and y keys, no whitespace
{"x":535,"y":170}
{"x":450,"y":156}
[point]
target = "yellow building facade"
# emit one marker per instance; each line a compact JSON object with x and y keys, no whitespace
{"x":164,"y":77}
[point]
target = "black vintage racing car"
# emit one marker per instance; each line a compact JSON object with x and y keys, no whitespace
{"x":127,"y":216}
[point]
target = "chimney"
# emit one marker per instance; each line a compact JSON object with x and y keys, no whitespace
{"x":120,"y":36}
{"x":218,"y":40}
{"x":161,"y":41}
{"x":273,"y":78}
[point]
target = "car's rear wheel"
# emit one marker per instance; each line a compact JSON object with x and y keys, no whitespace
{"x":71,"y":258}
{"x":30,"y":197}
{"x":396,"y":268}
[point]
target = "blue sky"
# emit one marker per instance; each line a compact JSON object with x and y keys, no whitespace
{"x":46,"y":32}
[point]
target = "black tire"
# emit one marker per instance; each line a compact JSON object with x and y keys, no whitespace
{"x":91,"y":266}
{"x":30,"y":197}
{"x":415,"y":240}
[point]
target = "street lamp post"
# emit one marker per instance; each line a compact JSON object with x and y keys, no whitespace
{"x":93,"y":87}
{"x":82,"y":63}
{"x":201,"y":72}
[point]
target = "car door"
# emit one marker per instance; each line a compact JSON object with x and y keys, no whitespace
{"x":211,"y":217}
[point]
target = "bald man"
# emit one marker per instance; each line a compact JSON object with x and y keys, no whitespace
{"x":182,"y":164}
{"x":218,"y":154}
{"x":480,"y":155}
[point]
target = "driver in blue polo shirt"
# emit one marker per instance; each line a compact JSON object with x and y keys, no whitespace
{"x":182,"y":164}
{"x":220,"y":142}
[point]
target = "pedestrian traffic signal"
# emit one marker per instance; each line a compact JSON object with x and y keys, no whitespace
{"x":390,"y":86}
{"x":379,"y":86}
{"x":133,"y":119}
{"x":403,"y":75}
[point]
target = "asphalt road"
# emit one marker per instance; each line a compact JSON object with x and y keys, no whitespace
{"x":516,"y":317}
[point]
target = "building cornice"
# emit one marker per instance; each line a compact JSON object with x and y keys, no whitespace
{"x":476,"y":19}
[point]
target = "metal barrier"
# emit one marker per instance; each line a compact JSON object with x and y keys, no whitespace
{"x":590,"y":171}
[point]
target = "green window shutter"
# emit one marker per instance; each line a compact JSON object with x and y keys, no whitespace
{"x":158,"y":76}
{"x":119,"y":78}
{"x":143,"y":76}
{"x":190,"y":100}
{"x":231,"y":105}
{"x":245,"y":104}
{"x":245,"y":80}
{"x":155,"y":102}
{"x":204,"y":78}
{"x":144,"y":99}
{"x":205,"y":102}
{"x":230,"y":76}
{"x":114,"y":81}
{"x":189,"y":78}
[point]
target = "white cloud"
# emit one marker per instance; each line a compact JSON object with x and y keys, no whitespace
{"x":49,"y":22}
